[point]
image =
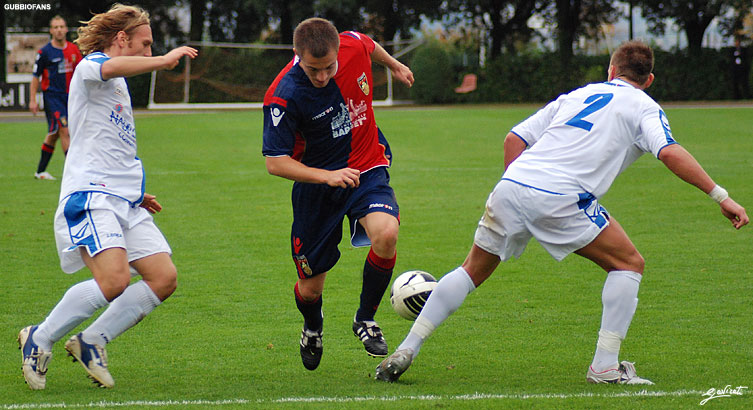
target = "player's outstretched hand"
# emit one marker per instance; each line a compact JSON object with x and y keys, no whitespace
{"x":173,"y":57}
{"x":403,"y":74}
{"x":344,"y":178}
{"x":150,"y":204}
{"x":734,"y":212}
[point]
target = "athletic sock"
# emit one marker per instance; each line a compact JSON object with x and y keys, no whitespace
{"x":313,"y":319}
{"x":79,"y":303}
{"x":445,"y":299}
{"x":47,"y":151}
{"x":377,"y":272}
{"x":128,"y":309}
{"x":619,"y":299}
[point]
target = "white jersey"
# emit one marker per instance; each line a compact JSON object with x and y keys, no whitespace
{"x":102,"y":155}
{"x":580,"y":142}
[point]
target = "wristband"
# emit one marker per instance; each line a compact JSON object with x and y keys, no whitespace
{"x":718,"y":194}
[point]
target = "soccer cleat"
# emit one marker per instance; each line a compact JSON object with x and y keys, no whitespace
{"x":34,"y":359}
{"x":371,"y":336}
{"x":392,"y":367}
{"x":44,"y":175}
{"x":625,"y":374}
{"x":311,"y":348}
{"x":92,"y":357}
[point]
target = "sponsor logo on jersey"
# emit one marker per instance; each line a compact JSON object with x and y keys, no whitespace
{"x":363,"y":82}
{"x":323,"y":113}
{"x":341,"y":124}
{"x":378,"y":205}
{"x":276,"y":115}
{"x":126,"y":130}
{"x":119,"y":91}
{"x":357,"y":112}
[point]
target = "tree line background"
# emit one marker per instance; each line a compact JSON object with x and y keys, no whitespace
{"x":493,"y":38}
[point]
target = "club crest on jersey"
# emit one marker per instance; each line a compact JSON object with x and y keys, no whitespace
{"x":363,"y":82}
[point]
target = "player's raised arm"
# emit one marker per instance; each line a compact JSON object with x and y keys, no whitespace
{"x":685,"y":166}
{"x":127,"y":66}
{"x":399,"y":70}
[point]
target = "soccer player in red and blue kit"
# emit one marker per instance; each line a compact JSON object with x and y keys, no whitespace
{"x":322,"y":135}
{"x":53,"y":68}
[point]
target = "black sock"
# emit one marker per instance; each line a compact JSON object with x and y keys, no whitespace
{"x":311,"y":311}
{"x":377,"y":273}
{"x":47,"y":151}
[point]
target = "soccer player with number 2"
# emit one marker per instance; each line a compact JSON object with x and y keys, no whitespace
{"x":559,"y":162}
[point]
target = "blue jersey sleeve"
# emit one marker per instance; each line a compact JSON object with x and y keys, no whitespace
{"x":280,"y":126}
{"x":40,"y":63}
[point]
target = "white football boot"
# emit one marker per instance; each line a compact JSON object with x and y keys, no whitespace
{"x":44,"y":175}
{"x":395,"y":365}
{"x":94,"y":359}
{"x":625,"y":374}
{"x":34,"y":359}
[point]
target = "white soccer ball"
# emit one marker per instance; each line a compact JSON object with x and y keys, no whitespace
{"x":410,"y":291}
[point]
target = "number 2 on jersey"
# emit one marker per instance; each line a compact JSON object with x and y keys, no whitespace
{"x":596,"y":102}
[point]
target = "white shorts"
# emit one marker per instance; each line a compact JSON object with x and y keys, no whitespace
{"x":561,"y":223}
{"x":97,"y":221}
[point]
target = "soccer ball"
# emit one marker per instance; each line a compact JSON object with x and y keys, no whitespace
{"x":410,"y":291}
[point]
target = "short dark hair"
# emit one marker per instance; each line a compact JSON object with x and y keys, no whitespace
{"x":57,"y":17}
{"x":634,"y":60}
{"x":316,"y":36}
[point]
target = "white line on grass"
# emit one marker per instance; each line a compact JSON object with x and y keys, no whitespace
{"x":464,"y":397}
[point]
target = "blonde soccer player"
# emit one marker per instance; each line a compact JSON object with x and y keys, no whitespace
{"x":104,"y":220}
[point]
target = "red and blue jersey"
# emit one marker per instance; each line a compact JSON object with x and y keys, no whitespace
{"x":54,"y":66}
{"x":331,"y":127}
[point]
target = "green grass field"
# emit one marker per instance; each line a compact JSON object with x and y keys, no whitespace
{"x":228,"y":338}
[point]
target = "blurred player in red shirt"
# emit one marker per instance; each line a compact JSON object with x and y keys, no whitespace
{"x":53,"y":69}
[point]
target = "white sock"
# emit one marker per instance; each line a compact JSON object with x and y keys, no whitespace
{"x":137,"y":301}
{"x":444,"y":300}
{"x":79,"y":303}
{"x":619,"y":299}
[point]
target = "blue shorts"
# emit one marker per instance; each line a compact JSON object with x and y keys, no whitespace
{"x":56,"y":110}
{"x":318,"y":214}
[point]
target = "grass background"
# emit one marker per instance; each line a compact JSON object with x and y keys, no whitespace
{"x":523,"y":340}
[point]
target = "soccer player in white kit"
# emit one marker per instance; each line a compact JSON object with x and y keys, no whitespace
{"x":103,"y":220}
{"x":558,"y":162}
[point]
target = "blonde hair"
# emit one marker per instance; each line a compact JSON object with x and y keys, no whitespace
{"x":99,"y":32}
